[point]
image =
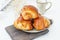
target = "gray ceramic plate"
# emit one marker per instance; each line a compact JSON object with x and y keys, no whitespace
{"x":35,"y":31}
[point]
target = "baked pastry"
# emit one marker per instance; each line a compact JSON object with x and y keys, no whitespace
{"x":47,"y":22}
{"x":22,"y":24}
{"x":38,"y":23}
{"x":41,"y":23}
{"x":29,"y":12}
{"x":30,"y":19}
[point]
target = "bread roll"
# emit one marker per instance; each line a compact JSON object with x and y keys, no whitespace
{"x":46,"y":22}
{"x":41,"y":23}
{"x":29,"y":12}
{"x":38,"y":23}
{"x":22,"y":24}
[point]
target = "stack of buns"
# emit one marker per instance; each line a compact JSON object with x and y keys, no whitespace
{"x":30,"y":19}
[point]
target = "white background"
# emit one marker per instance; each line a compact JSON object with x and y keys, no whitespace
{"x":7,"y":18}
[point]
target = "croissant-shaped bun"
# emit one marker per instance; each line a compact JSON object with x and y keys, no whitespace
{"x":22,"y":24}
{"x":41,"y":23}
{"x":29,"y":12}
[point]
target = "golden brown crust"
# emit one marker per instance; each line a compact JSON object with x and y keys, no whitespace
{"x":29,"y":12}
{"x":22,"y":24}
{"x":39,"y":24}
{"x":29,"y":7}
{"x":46,"y":22}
